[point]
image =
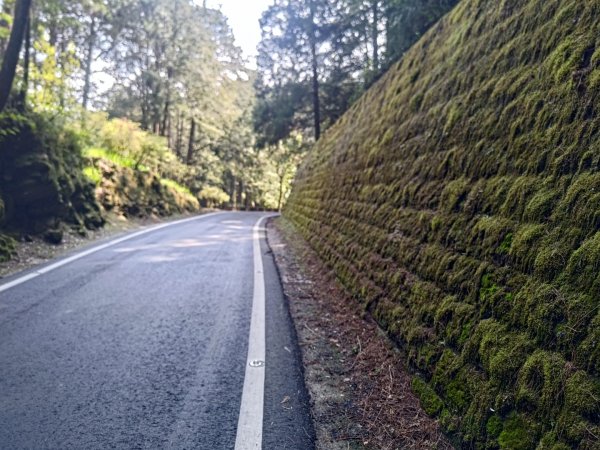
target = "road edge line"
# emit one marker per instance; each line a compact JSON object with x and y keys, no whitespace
{"x":62,"y":262}
{"x":250,"y":420}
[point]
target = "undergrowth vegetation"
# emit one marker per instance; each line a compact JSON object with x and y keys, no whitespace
{"x":135,"y":171}
{"x":459,"y":200}
{"x":41,"y":176}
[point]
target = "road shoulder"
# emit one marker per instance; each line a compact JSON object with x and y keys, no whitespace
{"x":359,"y":387}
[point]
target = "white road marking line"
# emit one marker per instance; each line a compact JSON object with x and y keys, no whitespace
{"x":70,"y":259}
{"x":250,"y":422}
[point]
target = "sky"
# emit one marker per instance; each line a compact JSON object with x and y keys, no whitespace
{"x":243,"y":18}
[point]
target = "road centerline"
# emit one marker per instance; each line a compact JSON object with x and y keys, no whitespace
{"x":250,"y":422}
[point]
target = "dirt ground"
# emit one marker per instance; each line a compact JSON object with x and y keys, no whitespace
{"x":360,"y":392}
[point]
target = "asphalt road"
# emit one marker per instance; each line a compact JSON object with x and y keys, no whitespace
{"x":144,"y":344}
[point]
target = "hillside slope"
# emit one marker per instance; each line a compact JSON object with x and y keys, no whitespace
{"x":459,"y":200}
{"x":47,"y":183}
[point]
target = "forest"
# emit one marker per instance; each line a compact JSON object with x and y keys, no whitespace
{"x":160,"y":87}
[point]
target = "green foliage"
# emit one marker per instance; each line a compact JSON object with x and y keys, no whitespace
{"x":93,"y":174}
{"x":13,"y":122}
{"x":6,"y":248}
{"x":134,"y":193}
{"x":5,"y":24}
{"x":354,"y":42}
{"x":164,"y":65}
{"x":484,"y":194}
{"x":124,"y":143}
{"x":212,"y":196}
{"x":41,"y":175}
{"x":133,"y":168}
{"x":176,"y":186}
{"x":113,"y":157}
{"x":51,"y":85}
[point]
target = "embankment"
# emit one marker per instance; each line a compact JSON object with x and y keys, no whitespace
{"x":47,"y":183}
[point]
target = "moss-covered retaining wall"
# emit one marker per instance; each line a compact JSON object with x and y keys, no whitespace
{"x":459,"y":200}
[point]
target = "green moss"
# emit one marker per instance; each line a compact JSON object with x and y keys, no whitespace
{"x":416,"y":101}
{"x":494,"y":426}
{"x":456,"y":393}
{"x":516,"y":434}
{"x":435,"y":224}
{"x":568,"y":57}
{"x":499,"y":351}
{"x":541,"y":384}
{"x":488,"y":287}
{"x":505,"y":245}
{"x":525,"y":244}
{"x":582,"y":395}
{"x":430,"y":401}
{"x":540,"y":308}
{"x":454,"y":194}
{"x":588,"y":352}
{"x":541,"y":205}
{"x":487,"y":201}
{"x":550,"y":441}
{"x":554,"y":253}
{"x":583,"y":268}
{"x":454,"y":321}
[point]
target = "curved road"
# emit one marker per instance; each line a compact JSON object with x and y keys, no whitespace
{"x":143,"y":342}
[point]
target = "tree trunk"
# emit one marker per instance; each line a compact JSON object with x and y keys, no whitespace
{"x":190,"y":153}
{"x":248,"y":200}
{"x":61,"y":51}
{"x":88,"y":64}
{"x":375,"y":35}
{"x":26,"y":61}
{"x":146,"y":90}
{"x":165,"y":121}
{"x":164,"y":129}
{"x":280,"y":199}
{"x":315,"y":75}
{"x":240,"y":193}
{"x":11,"y":56}
{"x":179,"y":138}
{"x":232,"y":195}
{"x":169,"y":132}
